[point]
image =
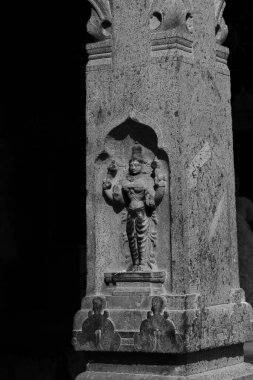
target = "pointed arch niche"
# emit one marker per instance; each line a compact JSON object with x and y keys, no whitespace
{"x":118,"y":146}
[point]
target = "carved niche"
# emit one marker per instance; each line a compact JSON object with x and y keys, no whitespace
{"x":100,"y":22}
{"x":134,"y":185}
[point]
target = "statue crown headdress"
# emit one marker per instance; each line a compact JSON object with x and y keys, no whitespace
{"x":137,"y":153}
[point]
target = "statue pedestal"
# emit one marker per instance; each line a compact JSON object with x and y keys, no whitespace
{"x":154,"y":277}
{"x":133,"y":283}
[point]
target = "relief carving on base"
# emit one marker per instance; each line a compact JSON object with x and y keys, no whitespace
{"x":157,"y":332}
{"x":140,"y":191}
{"x":98,"y":333}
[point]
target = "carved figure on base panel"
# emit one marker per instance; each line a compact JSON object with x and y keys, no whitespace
{"x":157,"y":332}
{"x":98,"y":333}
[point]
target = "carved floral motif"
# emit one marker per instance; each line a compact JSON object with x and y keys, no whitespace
{"x":140,"y":191}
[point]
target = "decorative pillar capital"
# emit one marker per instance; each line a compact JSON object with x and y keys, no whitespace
{"x":99,"y":24}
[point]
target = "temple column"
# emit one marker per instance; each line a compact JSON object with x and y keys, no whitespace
{"x":163,"y":297}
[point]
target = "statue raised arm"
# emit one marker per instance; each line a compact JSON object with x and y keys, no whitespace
{"x":112,"y":190}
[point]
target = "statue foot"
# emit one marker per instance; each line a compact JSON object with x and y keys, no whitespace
{"x":144,"y":268}
{"x":139,"y":268}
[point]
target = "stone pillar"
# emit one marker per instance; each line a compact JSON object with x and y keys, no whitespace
{"x":163,"y":296}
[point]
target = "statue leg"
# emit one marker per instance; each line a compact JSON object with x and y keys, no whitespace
{"x":131,"y":234}
{"x":142,"y":228}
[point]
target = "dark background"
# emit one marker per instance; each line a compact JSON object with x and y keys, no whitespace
{"x":42,"y":204}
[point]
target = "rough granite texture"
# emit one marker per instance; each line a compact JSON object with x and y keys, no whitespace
{"x":157,"y":75}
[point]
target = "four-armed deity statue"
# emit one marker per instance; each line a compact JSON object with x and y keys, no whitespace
{"x":140,"y":191}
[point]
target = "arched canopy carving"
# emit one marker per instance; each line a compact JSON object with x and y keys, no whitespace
{"x":135,"y":181}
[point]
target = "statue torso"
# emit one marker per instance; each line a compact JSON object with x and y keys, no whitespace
{"x":134,"y":188}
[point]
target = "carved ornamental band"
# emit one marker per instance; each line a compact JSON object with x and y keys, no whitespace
{"x":163,"y":15}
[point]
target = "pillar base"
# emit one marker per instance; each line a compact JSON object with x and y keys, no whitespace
{"x":220,"y":363}
{"x":242,"y":371}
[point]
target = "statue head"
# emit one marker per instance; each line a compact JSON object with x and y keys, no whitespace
{"x":98,"y":305}
{"x":136,"y":161}
{"x":158,"y":304}
{"x":135,"y":167}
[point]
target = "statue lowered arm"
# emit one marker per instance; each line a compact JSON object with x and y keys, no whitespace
{"x":160,"y":181}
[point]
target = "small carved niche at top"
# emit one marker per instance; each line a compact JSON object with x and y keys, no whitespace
{"x":189,"y":21}
{"x":155,"y":20}
{"x":100,"y":23}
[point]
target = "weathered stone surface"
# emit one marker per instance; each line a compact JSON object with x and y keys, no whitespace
{"x":161,"y":233}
